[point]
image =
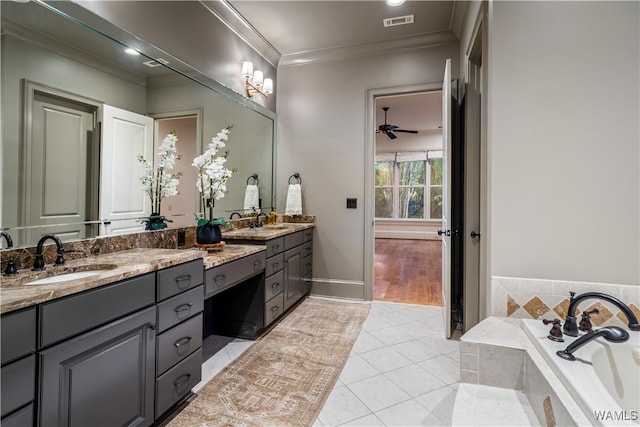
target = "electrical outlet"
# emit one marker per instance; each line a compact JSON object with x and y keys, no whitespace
{"x":181,"y":238}
{"x":352,"y":203}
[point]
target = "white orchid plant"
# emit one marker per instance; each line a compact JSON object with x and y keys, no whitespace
{"x":157,"y":181}
{"x":212,"y":175}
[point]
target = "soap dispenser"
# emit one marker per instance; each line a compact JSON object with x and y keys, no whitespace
{"x":272,"y":217}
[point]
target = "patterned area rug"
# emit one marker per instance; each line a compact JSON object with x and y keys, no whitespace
{"x":284,"y":378}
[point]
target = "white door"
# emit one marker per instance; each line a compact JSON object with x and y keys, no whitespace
{"x":56,"y":180}
{"x":125,"y":136}
{"x":445,"y":232}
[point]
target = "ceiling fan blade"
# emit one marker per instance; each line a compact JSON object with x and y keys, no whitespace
{"x":391,"y":135}
{"x":405,"y":131}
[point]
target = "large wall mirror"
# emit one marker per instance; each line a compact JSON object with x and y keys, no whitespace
{"x":63,"y":70}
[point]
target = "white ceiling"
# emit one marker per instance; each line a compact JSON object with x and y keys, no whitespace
{"x":302,"y":29}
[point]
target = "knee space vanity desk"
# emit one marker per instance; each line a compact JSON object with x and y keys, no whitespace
{"x":131,"y":335}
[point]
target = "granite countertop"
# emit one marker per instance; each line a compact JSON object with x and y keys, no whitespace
{"x":14,"y":294}
{"x":266,"y":232}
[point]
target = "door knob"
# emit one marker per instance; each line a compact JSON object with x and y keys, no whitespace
{"x":445,"y":232}
{"x":475,"y":235}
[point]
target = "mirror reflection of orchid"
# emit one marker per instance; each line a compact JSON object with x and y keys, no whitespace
{"x":212,"y":175}
{"x":158,"y":182}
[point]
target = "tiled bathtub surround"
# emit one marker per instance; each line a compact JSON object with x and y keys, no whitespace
{"x":549,"y":299}
{"x":496,"y":353}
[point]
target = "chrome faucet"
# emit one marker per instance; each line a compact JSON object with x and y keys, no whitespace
{"x":610,"y":333}
{"x":38,"y":262}
{"x":7,"y":238}
{"x":570,"y":327}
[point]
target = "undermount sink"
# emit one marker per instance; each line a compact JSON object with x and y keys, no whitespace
{"x":65,"y":277}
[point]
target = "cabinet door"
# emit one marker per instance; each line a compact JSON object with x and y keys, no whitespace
{"x":292,"y":276}
{"x":102,"y":378}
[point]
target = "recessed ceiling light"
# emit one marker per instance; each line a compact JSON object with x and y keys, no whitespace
{"x":131,"y":51}
{"x":394,"y":2}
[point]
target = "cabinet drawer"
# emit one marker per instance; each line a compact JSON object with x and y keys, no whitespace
{"x":18,"y":384}
{"x":274,"y":264}
{"x":22,"y":418}
{"x":273,"y":309}
{"x":307,"y":235}
{"x":273,"y":285}
{"x":275,"y":246}
{"x":293,"y":239}
{"x":178,"y":382}
{"x":307,"y":265}
{"x":78,"y":313}
{"x":18,"y":334}
{"x":224,"y":276}
{"x":307,"y":249}
{"x":179,"y":308}
{"x":179,"y":278}
{"x":177,"y":343}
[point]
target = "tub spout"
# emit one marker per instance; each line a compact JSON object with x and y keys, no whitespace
{"x":610,"y":333}
{"x":570,"y":327}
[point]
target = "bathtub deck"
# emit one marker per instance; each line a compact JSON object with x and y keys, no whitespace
{"x":481,"y":405}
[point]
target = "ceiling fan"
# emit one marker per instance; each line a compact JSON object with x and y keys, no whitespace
{"x":388,"y":129}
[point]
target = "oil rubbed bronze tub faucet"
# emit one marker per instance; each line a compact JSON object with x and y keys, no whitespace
{"x":38,"y":262}
{"x":570,"y":327}
{"x":610,"y":333}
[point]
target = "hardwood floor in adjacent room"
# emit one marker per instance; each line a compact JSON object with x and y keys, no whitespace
{"x":408,"y":271}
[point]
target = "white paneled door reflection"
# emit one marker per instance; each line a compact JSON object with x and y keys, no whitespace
{"x":125,"y":136}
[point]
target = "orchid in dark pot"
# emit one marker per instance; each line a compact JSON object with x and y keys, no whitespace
{"x":211,"y":181}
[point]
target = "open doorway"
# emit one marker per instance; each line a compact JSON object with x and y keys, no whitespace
{"x":408,"y":198}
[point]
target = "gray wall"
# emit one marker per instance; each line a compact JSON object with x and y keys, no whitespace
{"x":321,"y":134}
{"x":564,"y":141}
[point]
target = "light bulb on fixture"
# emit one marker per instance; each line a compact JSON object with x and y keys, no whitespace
{"x":394,"y":2}
{"x":255,"y":82}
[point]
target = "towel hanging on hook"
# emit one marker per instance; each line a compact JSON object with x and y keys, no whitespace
{"x":252,"y":194}
{"x":294,"y":196}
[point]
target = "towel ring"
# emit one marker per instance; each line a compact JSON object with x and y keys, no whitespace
{"x":296,"y":176}
{"x":254,"y":177}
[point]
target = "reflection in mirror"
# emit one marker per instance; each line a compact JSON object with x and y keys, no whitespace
{"x":77,"y":111}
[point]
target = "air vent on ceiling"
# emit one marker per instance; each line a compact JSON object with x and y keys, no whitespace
{"x":158,"y":62}
{"x":400,"y":20}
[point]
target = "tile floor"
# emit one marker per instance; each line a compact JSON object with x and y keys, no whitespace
{"x":401,"y":371}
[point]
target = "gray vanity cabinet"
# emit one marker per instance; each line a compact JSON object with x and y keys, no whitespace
{"x":298,"y":262}
{"x":97,"y":356}
{"x":180,"y":303}
{"x":18,"y":338}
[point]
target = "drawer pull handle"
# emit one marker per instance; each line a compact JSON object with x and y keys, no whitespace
{"x":182,"y":342}
{"x":219,"y":278}
{"x":182,"y":380}
{"x":275,"y":285}
{"x":275,"y":265}
{"x":275,"y":308}
{"x":183,"y":307}
{"x":257,"y":264}
{"x":275,"y":247}
{"x":183,"y":281}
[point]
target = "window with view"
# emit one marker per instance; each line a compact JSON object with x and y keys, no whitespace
{"x":408,"y":185}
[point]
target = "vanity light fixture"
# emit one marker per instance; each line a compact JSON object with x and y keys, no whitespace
{"x":394,"y":2}
{"x":131,"y":51}
{"x":255,"y":82}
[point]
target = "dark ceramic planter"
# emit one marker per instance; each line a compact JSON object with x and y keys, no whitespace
{"x":155,"y":222}
{"x":208,"y":234}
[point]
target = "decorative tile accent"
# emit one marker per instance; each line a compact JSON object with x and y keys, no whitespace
{"x":516,"y":297}
{"x":562,"y":309}
{"x":536,"y":307}
{"x":512,"y":305}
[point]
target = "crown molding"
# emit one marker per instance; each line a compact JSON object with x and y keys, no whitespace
{"x":377,"y":48}
{"x":230,"y":17}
